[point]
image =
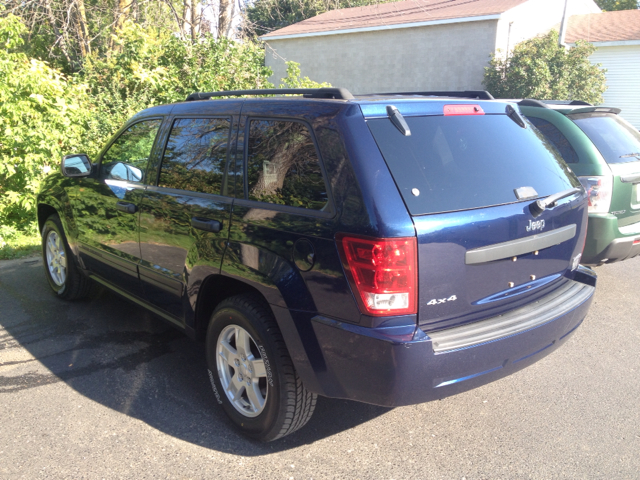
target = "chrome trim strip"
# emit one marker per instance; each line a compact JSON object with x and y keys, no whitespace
{"x":633,"y":178}
{"x":513,"y":248}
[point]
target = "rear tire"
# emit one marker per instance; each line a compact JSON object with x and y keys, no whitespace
{"x":64,"y":276}
{"x":251,"y":372}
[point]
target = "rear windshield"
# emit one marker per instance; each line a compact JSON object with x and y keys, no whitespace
{"x":463,"y":162}
{"x":616,"y":139}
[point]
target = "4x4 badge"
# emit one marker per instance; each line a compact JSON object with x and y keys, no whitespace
{"x":438,"y":301}
{"x":539,"y":225}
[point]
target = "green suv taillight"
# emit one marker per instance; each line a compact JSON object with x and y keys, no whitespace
{"x":599,"y":190}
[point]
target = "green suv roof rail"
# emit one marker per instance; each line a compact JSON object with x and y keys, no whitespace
{"x":529,"y":102}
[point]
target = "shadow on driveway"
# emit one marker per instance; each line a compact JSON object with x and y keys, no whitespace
{"x":125,"y":358}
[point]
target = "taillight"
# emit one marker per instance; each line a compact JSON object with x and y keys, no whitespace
{"x":599,"y":191}
{"x":382,"y":273}
{"x":575,"y":261}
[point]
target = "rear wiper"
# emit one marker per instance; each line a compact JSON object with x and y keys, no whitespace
{"x":637,"y":154}
{"x":540,"y":206}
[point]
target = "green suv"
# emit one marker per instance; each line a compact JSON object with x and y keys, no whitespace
{"x":604,"y":151}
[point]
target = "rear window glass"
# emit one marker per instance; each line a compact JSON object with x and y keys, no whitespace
{"x":464,"y":162}
{"x":616,"y":139}
{"x":550,"y":131}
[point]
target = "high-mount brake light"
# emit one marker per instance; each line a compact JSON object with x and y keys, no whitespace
{"x":463,"y":110}
{"x":382,"y":272}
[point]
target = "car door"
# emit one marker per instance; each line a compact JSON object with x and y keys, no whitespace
{"x":281,"y":232}
{"x":106,"y":208}
{"x":185,"y":218}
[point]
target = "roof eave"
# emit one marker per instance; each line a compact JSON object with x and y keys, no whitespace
{"x":612,"y":43}
{"x":479,"y":18}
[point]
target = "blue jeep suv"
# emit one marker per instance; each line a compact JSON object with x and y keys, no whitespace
{"x":389,"y":249}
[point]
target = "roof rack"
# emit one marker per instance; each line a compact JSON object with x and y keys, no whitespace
{"x":477,"y":94}
{"x":334,"y":93}
{"x":529,"y":102}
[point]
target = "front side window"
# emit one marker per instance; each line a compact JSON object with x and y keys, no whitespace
{"x":556,"y":137}
{"x":283,"y":166}
{"x":127,"y":157}
{"x":196,"y":155}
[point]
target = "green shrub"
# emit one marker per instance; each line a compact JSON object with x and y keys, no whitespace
{"x":540,"y":68}
{"x":40,"y":119}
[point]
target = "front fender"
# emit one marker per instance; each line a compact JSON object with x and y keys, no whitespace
{"x":53,"y":197}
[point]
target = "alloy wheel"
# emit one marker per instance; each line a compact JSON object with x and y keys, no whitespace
{"x":242,"y":371}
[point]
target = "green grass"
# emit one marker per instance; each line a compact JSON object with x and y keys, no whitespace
{"x":18,"y":246}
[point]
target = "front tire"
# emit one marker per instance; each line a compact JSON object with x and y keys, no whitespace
{"x":61,"y":271}
{"x":251,"y":372}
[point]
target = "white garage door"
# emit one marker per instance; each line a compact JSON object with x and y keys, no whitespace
{"x":623,"y":79}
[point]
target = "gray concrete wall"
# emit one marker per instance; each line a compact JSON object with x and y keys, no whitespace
{"x":437,"y":57}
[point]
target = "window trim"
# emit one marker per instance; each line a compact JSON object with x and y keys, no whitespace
{"x":329,"y":210}
{"x":171,"y":121}
{"x":119,"y":133}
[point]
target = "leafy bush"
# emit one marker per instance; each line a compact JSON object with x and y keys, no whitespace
{"x":540,"y":68}
{"x":40,"y":119}
{"x":45,"y":114}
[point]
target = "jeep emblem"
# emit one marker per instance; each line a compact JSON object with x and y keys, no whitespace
{"x":533,"y":226}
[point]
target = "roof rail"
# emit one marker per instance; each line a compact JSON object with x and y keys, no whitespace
{"x":477,"y":94}
{"x":529,"y":102}
{"x":335,"y":93}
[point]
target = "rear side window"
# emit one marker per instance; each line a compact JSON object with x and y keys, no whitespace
{"x":196,"y":155}
{"x":468,"y":161}
{"x":283,"y":165}
{"x":556,"y":137}
{"x":616,"y":139}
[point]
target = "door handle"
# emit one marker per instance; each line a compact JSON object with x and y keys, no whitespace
{"x":126,"y":207}
{"x":206,"y":224}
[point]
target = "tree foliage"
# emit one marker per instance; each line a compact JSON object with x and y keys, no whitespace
{"x":541,"y":68}
{"x":40,"y":118}
{"x":68,"y":32}
{"x":610,"y":5}
{"x":265,"y":16}
{"x":48,"y":110}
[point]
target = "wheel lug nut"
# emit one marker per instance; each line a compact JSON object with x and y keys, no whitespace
{"x":240,"y":377}
{"x":237,"y":362}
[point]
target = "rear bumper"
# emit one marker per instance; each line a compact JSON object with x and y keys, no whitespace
{"x":402,"y":366}
{"x":607,"y":243}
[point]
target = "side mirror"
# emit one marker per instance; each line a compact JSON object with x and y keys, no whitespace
{"x":128,"y":173}
{"x":77,"y":165}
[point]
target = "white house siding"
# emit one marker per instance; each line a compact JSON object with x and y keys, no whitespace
{"x":534,"y":18}
{"x":436,"y":57}
{"x":623,"y":78}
